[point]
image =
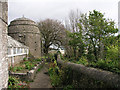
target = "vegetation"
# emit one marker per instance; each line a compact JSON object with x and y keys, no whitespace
{"x":59,"y":76}
{"x":52,"y":32}
{"x":66,"y":78}
{"x":25,"y":65}
{"x":93,"y":41}
{"x":16,"y":83}
{"x":54,"y":74}
{"x":90,"y":41}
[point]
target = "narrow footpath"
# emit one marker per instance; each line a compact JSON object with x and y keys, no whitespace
{"x":42,"y":79}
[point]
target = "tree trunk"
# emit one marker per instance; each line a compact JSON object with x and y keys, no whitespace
{"x":74,"y":48}
{"x":95,"y":54}
{"x":45,"y":50}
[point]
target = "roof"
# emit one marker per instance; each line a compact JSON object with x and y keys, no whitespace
{"x":22,"y":21}
{"x":14,"y":43}
{"x":23,"y":18}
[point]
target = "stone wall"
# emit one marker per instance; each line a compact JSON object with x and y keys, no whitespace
{"x":3,"y":45}
{"x":88,"y":77}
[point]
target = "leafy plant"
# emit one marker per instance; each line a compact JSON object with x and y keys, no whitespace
{"x":16,"y":83}
{"x":82,"y":60}
{"x":54,"y":74}
{"x":68,"y":87}
{"x":110,"y":65}
{"x":12,"y":81}
{"x":24,"y":59}
{"x":112,"y":52}
{"x":29,"y":66}
{"x":14,"y":69}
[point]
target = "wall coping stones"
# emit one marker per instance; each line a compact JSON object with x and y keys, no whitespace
{"x":108,"y":77}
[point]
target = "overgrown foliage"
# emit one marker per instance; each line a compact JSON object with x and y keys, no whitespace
{"x":66,"y":78}
{"x":91,"y":42}
{"x":25,"y":65}
{"x":94,"y":43}
{"x":14,"y":82}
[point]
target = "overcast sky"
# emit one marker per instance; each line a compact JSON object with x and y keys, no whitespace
{"x":59,"y":9}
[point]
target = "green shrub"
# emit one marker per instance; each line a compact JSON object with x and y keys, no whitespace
{"x":38,"y":60}
{"x":55,"y":79}
{"x":24,"y":59}
{"x":102,"y":64}
{"x":112,"y":53}
{"x":29,"y":66}
{"x":82,"y":60}
{"x":54,"y":74}
{"x":110,"y":65}
{"x":15,"y":83}
{"x":12,"y":81}
{"x":27,"y":62}
{"x":14,"y":69}
{"x":68,"y":87}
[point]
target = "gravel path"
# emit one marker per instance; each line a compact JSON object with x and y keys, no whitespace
{"x":42,"y":79}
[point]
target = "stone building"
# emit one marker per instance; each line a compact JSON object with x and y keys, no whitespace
{"x":27,"y":32}
{"x":3,"y":44}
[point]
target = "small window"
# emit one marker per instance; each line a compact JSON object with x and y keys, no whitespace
{"x":15,"y":50}
{"x":20,"y":35}
{"x":9,"y":51}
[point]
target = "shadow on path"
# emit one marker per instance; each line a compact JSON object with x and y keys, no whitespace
{"x":42,"y":79}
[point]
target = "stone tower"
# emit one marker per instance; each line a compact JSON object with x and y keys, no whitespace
{"x":3,"y":44}
{"x":27,"y":32}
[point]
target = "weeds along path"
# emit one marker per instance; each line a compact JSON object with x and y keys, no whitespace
{"x":42,"y":79}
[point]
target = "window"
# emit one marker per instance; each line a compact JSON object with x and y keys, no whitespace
{"x":9,"y":51}
{"x":23,"y":51}
{"x":15,"y":50}
{"x":18,"y":51}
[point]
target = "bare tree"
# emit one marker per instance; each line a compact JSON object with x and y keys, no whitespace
{"x":52,"y":32}
{"x":74,"y":17}
{"x":71,"y":24}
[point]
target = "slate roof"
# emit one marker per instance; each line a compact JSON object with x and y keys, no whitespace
{"x":14,"y":43}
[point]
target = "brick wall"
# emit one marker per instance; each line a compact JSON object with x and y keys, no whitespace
{"x":3,"y":45}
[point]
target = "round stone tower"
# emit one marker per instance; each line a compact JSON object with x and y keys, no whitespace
{"x":27,"y":32}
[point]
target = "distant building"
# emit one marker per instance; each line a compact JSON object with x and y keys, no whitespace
{"x":26,"y":32}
